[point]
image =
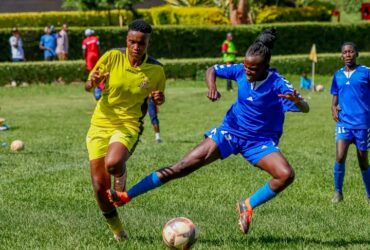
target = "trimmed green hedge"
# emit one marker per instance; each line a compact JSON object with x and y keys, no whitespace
{"x":273,"y":14}
{"x":47,"y":72}
{"x":156,"y":16}
{"x":205,"y":41}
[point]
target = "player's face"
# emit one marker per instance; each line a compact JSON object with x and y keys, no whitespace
{"x":349,"y":55}
{"x":255,"y":68}
{"x":137,"y":44}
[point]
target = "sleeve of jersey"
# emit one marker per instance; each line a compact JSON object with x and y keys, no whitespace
{"x":162,"y":81}
{"x":285,"y":87}
{"x":229,"y":71}
{"x":334,"y":87}
{"x":103,"y":64}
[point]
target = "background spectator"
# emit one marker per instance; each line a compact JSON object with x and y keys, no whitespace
{"x":16,"y":45}
{"x":90,"y":48}
{"x":228,"y":50}
{"x":48,"y":44}
{"x":62,"y":43}
{"x":304,"y":81}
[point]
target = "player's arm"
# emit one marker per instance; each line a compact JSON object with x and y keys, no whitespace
{"x":96,"y":78}
{"x":158,"y":97}
{"x":212,"y":94}
{"x":99,"y":73}
{"x":158,"y":94}
{"x":335,"y":108}
{"x":301,"y":104}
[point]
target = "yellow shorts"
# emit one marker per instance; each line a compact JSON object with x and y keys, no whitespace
{"x":99,"y":138}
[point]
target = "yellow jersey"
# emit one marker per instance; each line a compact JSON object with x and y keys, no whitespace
{"x":124,"y":99}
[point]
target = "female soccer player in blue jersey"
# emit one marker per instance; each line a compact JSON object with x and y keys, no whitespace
{"x":252,"y":127}
{"x":351,"y":111}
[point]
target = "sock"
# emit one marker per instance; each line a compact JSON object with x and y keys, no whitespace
{"x":366,"y":179}
{"x":339,"y":172}
{"x":157,"y":136}
{"x":150,"y":182}
{"x":261,"y":196}
{"x":113,"y":221}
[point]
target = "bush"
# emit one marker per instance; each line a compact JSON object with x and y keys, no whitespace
{"x":205,"y":41}
{"x":47,"y":72}
{"x":156,"y":16}
{"x":273,"y":14}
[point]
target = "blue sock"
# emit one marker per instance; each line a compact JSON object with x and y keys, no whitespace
{"x":148,"y":183}
{"x":339,"y":172}
{"x":366,"y":179}
{"x":261,"y":196}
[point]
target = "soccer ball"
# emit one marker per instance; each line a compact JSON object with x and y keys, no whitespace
{"x":17,"y":145}
{"x":179,"y":233}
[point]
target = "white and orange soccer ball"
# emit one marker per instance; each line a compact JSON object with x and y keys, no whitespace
{"x":179,"y":233}
{"x":17,"y":145}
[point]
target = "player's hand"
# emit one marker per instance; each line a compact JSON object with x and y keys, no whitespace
{"x":158,"y":97}
{"x":98,"y":77}
{"x":335,"y":112}
{"x":294,"y":96}
{"x":213,"y":95}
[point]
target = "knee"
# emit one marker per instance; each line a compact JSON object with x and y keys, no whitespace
{"x":287,"y":176}
{"x":113,"y":166}
{"x":340,"y":159}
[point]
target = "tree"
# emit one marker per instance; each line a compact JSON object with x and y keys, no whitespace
{"x":99,"y":5}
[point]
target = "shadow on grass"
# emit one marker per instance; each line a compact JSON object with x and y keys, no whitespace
{"x":293,"y":240}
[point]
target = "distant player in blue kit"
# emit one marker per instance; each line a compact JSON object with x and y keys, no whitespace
{"x":252,"y":127}
{"x":351,"y":111}
{"x":153,"y":115}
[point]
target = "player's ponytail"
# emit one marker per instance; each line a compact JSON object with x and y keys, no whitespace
{"x":263,"y":44}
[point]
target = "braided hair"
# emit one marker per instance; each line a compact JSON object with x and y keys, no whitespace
{"x":263,"y":44}
{"x":141,"y":26}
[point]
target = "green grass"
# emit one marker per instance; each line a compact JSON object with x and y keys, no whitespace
{"x":46,"y":199}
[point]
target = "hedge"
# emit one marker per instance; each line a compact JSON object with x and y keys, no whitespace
{"x":273,"y":14}
{"x":205,"y":41}
{"x":156,"y":16}
{"x":47,"y":72}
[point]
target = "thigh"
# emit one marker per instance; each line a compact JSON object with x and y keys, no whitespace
{"x":342,"y":150}
{"x":361,"y":139}
{"x":363,"y":159}
{"x":97,"y":141}
{"x":226,"y":143}
{"x":127,"y":137}
{"x":254,"y":151}
{"x":203,"y":154}
{"x":275,"y":164}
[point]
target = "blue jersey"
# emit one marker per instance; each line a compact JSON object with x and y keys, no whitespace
{"x":258,"y":112}
{"x":353,"y":97}
{"x":49,"y":41}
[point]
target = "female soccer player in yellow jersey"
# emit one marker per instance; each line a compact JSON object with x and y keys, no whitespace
{"x":130,"y":76}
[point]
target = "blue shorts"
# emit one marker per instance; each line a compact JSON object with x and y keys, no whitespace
{"x":152,"y":110}
{"x":359,"y":137}
{"x":252,"y":150}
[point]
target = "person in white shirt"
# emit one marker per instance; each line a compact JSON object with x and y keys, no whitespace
{"x":62,"y":43}
{"x":16,"y":45}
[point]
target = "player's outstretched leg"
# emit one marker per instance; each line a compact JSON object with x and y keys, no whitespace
{"x":148,"y":183}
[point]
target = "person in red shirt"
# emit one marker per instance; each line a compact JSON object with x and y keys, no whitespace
{"x":90,"y":48}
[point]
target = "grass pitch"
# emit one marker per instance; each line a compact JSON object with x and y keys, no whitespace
{"x":46,"y":199}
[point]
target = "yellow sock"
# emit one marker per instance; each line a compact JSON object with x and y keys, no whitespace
{"x":115,"y":225}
